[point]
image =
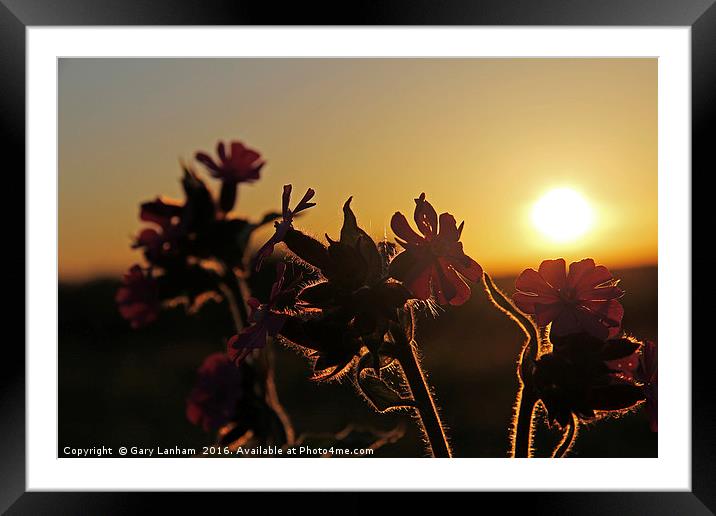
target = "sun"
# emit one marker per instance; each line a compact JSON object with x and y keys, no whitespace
{"x":562,"y":214}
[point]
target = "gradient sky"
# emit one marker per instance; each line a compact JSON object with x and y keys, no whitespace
{"x":484,"y":138}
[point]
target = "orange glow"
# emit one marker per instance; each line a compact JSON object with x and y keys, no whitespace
{"x":485,"y":139}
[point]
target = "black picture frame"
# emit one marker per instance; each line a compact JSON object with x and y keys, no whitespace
{"x":17,"y":15}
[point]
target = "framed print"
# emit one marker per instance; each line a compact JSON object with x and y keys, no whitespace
{"x":434,"y":249}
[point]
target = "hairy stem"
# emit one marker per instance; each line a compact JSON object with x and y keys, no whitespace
{"x":526,"y":397}
{"x":272,"y":397}
{"x":500,"y":300}
{"x":424,"y":403}
{"x":233,"y":292}
{"x":522,"y":440}
{"x":233,"y":289}
{"x":570,"y":435}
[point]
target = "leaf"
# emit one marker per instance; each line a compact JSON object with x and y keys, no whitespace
{"x":619,"y":348}
{"x":356,"y":238}
{"x":381,"y":396}
{"x":307,"y":248}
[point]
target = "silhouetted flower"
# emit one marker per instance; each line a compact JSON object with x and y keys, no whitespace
{"x":138,"y":297}
{"x":642,"y":367}
{"x":176,"y":225}
{"x":434,"y":262}
{"x":213,"y":401}
{"x":163,"y":240}
{"x":583,"y":300}
{"x":266,"y":320}
{"x":285,"y":225}
{"x":575,"y":378}
{"x":353,"y":302}
{"x":240,"y":165}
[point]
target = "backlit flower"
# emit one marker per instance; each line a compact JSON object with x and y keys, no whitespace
{"x":138,"y":297}
{"x":434,"y":261}
{"x":585,"y":299}
{"x":352,"y":305}
{"x":642,"y":367}
{"x":162,"y":241}
{"x":576,"y":378}
{"x":266,"y":320}
{"x":283,"y":226}
{"x":239,"y":165}
{"x":214,"y":400}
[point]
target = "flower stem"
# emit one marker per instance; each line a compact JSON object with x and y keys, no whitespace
{"x":233,"y":292}
{"x":233,"y":289}
{"x":522,"y":445}
{"x":527,"y":397}
{"x":568,"y":440}
{"x":424,"y":403}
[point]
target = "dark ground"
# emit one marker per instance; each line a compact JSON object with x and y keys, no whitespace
{"x":119,"y":387}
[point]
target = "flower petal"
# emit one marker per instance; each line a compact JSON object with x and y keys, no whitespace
{"x":609,"y":312}
{"x":419,"y":285}
{"x":426,"y":218}
{"x":554,"y":272}
{"x":577,"y":270}
{"x":285,"y":201}
{"x":205,"y":160}
{"x":468,"y":268}
{"x":401,"y":228}
{"x":530,"y":281}
{"x":451,"y":287}
{"x":303,"y":204}
{"x":525,"y":302}
{"x":600,"y":294}
{"x":448,"y":228}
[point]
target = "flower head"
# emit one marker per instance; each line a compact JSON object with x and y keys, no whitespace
{"x":138,"y":297}
{"x":642,"y":367}
{"x":283,"y":226}
{"x":162,"y":241}
{"x":213,"y":401}
{"x":576,"y":378}
{"x":353,"y":303}
{"x":175,"y":226}
{"x":585,"y":299}
{"x":239,"y":165}
{"x":434,"y":261}
{"x":266,"y":319}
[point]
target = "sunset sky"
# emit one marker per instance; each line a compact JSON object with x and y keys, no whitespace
{"x":485,"y":139}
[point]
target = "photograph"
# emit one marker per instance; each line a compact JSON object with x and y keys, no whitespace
{"x":285,"y":257}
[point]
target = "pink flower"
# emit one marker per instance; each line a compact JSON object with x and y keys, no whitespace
{"x":286,"y":223}
{"x":213,"y":401}
{"x":434,"y":262}
{"x":161,"y":242}
{"x":138,"y":298}
{"x":642,"y":367}
{"x":240,"y":165}
{"x":583,"y":300}
{"x":266,"y":321}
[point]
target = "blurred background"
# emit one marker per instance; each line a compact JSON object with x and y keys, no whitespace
{"x":542,"y":158}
